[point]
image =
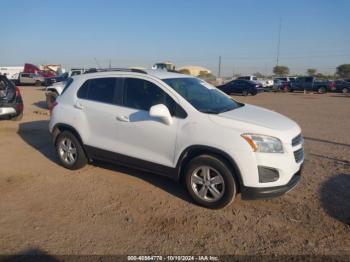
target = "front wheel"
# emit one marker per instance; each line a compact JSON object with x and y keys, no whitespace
{"x":37,"y":83}
{"x":70,"y":152}
{"x":210,"y":182}
{"x":345,"y":90}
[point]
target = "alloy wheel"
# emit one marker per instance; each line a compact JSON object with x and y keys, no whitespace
{"x":207,"y":183}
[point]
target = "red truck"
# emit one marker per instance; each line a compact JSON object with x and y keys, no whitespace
{"x":29,"y":68}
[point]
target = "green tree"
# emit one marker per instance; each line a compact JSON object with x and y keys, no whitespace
{"x":343,"y":71}
{"x":281,"y":70}
{"x":311,"y":71}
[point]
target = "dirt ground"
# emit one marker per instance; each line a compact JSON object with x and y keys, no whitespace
{"x":105,"y":209}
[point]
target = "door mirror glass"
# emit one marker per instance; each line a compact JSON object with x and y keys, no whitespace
{"x":162,"y":112}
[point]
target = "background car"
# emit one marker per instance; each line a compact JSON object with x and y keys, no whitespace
{"x":11,"y":103}
{"x":244,"y":87}
{"x":31,"y":79}
{"x":342,"y":86}
{"x":310,"y":83}
{"x":51,"y":80}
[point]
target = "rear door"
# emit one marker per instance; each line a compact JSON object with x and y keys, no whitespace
{"x":308,"y":83}
{"x":98,"y":99}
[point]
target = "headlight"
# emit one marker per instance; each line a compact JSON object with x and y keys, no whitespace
{"x":264,"y":144}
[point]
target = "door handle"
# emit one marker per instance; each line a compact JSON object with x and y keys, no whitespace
{"x":123,"y":118}
{"x":79,"y":106}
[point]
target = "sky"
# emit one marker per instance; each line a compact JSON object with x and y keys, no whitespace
{"x":314,"y":33}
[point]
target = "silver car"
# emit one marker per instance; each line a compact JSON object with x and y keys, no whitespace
{"x":31,"y":79}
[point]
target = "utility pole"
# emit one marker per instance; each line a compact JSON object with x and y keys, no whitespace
{"x":279,"y":41}
{"x":97,"y":63}
{"x":110,"y":64}
{"x":219,"y":71}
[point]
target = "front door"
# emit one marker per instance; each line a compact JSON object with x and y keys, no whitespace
{"x":138,"y":134}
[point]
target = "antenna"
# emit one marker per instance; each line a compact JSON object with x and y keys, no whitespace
{"x":279,"y":41}
{"x":219,"y":71}
{"x":97,"y":63}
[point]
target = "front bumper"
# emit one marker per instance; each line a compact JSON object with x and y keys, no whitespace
{"x":251,"y":193}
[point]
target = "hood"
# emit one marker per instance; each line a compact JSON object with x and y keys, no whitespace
{"x":249,"y":118}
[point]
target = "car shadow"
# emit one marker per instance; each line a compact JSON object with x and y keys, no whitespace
{"x":171,"y":186}
{"x":41,"y":104}
{"x":37,"y":135}
{"x":31,"y":255}
{"x":335,"y":197}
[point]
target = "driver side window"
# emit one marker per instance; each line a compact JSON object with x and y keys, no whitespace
{"x":142,"y":94}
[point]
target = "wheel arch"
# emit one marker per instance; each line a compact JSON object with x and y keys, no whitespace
{"x":59,"y":128}
{"x":196,"y":150}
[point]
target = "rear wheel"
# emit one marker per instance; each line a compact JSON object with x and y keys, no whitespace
{"x":37,"y":83}
{"x":70,"y":152}
{"x":321,"y":90}
{"x":210,"y":182}
{"x":345,"y":90}
{"x":17,"y":117}
{"x":244,"y":92}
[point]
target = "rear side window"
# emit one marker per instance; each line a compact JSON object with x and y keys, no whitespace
{"x":105,"y":90}
{"x":101,"y":90}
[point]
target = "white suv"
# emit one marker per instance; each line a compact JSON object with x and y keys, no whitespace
{"x":181,"y":127}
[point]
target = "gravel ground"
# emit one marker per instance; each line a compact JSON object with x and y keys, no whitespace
{"x":105,"y":209}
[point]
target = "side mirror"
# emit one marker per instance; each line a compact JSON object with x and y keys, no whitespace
{"x":162,"y":112}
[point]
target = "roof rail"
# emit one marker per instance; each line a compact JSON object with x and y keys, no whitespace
{"x":96,"y":70}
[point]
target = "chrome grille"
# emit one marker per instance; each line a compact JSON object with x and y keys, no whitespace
{"x":297,"y":140}
{"x":299,"y":155}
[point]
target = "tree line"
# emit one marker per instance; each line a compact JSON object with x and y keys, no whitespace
{"x":342,"y":71}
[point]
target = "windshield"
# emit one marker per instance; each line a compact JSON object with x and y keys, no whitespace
{"x":202,"y":96}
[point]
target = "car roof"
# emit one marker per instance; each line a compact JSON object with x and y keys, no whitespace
{"x":161,"y":74}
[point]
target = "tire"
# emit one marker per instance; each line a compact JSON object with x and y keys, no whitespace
{"x":37,"y":83}
{"x":75,"y":158}
{"x":224,"y":189}
{"x":245,"y":93}
{"x":321,"y":90}
{"x":254,"y":93}
{"x":17,"y":117}
{"x":345,"y":90}
{"x":51,"y":98}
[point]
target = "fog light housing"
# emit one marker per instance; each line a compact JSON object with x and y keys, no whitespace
{"x":267,"y":174}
